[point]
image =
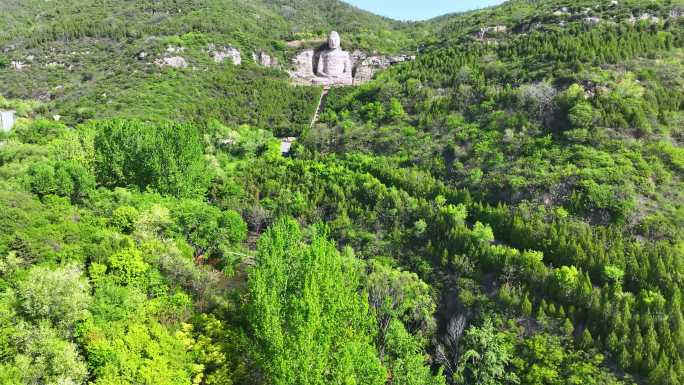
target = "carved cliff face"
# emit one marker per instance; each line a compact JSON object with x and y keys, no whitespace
{"x":334,"y":40}
{"x":335,"y":64}
{"x":332,"y":66}
{"x":303,"y":63}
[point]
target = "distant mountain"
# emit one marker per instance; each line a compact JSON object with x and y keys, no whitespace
{"x":255,"y":23}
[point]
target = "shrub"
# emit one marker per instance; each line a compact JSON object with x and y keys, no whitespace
{"x":63,"y":178}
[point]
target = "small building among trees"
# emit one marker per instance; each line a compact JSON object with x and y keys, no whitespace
{"x":286,"y":145}
{"x":6,"y":120}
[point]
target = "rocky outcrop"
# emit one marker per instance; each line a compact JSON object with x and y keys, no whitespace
{"x":17,"y":65}
{"x":491,"y":31}
{"x":564,"y":11}
{"x":651,"y":18}
{"x":174,"y":62}
{"x":367,"y":67}
{"x":172,"y":49}
{"x":303,"y":65}
{"x":265,"y":60}
{"x":222,"y":53}
{"x":591,"y":20}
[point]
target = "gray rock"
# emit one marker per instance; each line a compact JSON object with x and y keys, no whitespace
{"x":367,"y":68}
{"x":303,"y":65}
{"x":591,"y":20}
{"x":364,"y":73}
{"x":17,"y":65}
{"x":265,"y":60}
{"x":651,"y":18}
{"x":358,"y":56}
{"x":491,"y":30}
{"x":172,"y":49}
{"x":174,"y":62}
{"x":227,"y":53}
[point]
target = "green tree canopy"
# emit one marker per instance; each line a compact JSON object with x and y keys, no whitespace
{"x":487,"y":356}
{"x":166,"y":157}
{"x":309,"y":322}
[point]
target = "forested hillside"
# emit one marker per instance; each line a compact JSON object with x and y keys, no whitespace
{"x":506,"y":209}
{"x":100,"y":59}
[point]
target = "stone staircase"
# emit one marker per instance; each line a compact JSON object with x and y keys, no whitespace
{"x":321,"y":104}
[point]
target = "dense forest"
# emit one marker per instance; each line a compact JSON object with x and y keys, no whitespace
{"x":508,"y":208}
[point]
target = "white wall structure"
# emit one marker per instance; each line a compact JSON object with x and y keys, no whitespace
{"x":286,"y":145}
{"x":6,"y":120}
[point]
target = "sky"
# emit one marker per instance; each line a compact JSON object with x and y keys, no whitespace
{"x":419,"y":9}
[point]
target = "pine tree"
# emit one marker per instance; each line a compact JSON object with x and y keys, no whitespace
{"x":526,"y":306}
{"x":552,"y":309}
{"x":568,"y":328}
{"x":624,"y":358}
{"x":585,"y":341}
{"x":541,"y":313}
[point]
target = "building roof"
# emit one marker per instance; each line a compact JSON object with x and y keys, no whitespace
{"x":285,"y":147}
{"x":286,"y":144}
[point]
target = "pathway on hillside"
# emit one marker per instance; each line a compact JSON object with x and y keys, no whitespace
{"x":319,"y":109}
{"x":286,"y":143}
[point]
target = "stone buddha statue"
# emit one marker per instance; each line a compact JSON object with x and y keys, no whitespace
{"x":334,"y":64}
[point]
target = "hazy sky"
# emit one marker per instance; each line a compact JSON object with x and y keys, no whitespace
{"x":419,"y":9}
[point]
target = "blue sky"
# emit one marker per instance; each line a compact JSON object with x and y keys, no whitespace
{"x":419,"y":9}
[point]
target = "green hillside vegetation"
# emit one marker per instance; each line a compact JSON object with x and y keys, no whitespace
{"x":84,"y":58}
{"x":506,"y":209}
{"x":256,"y":24}
{"x":577,"y":129}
